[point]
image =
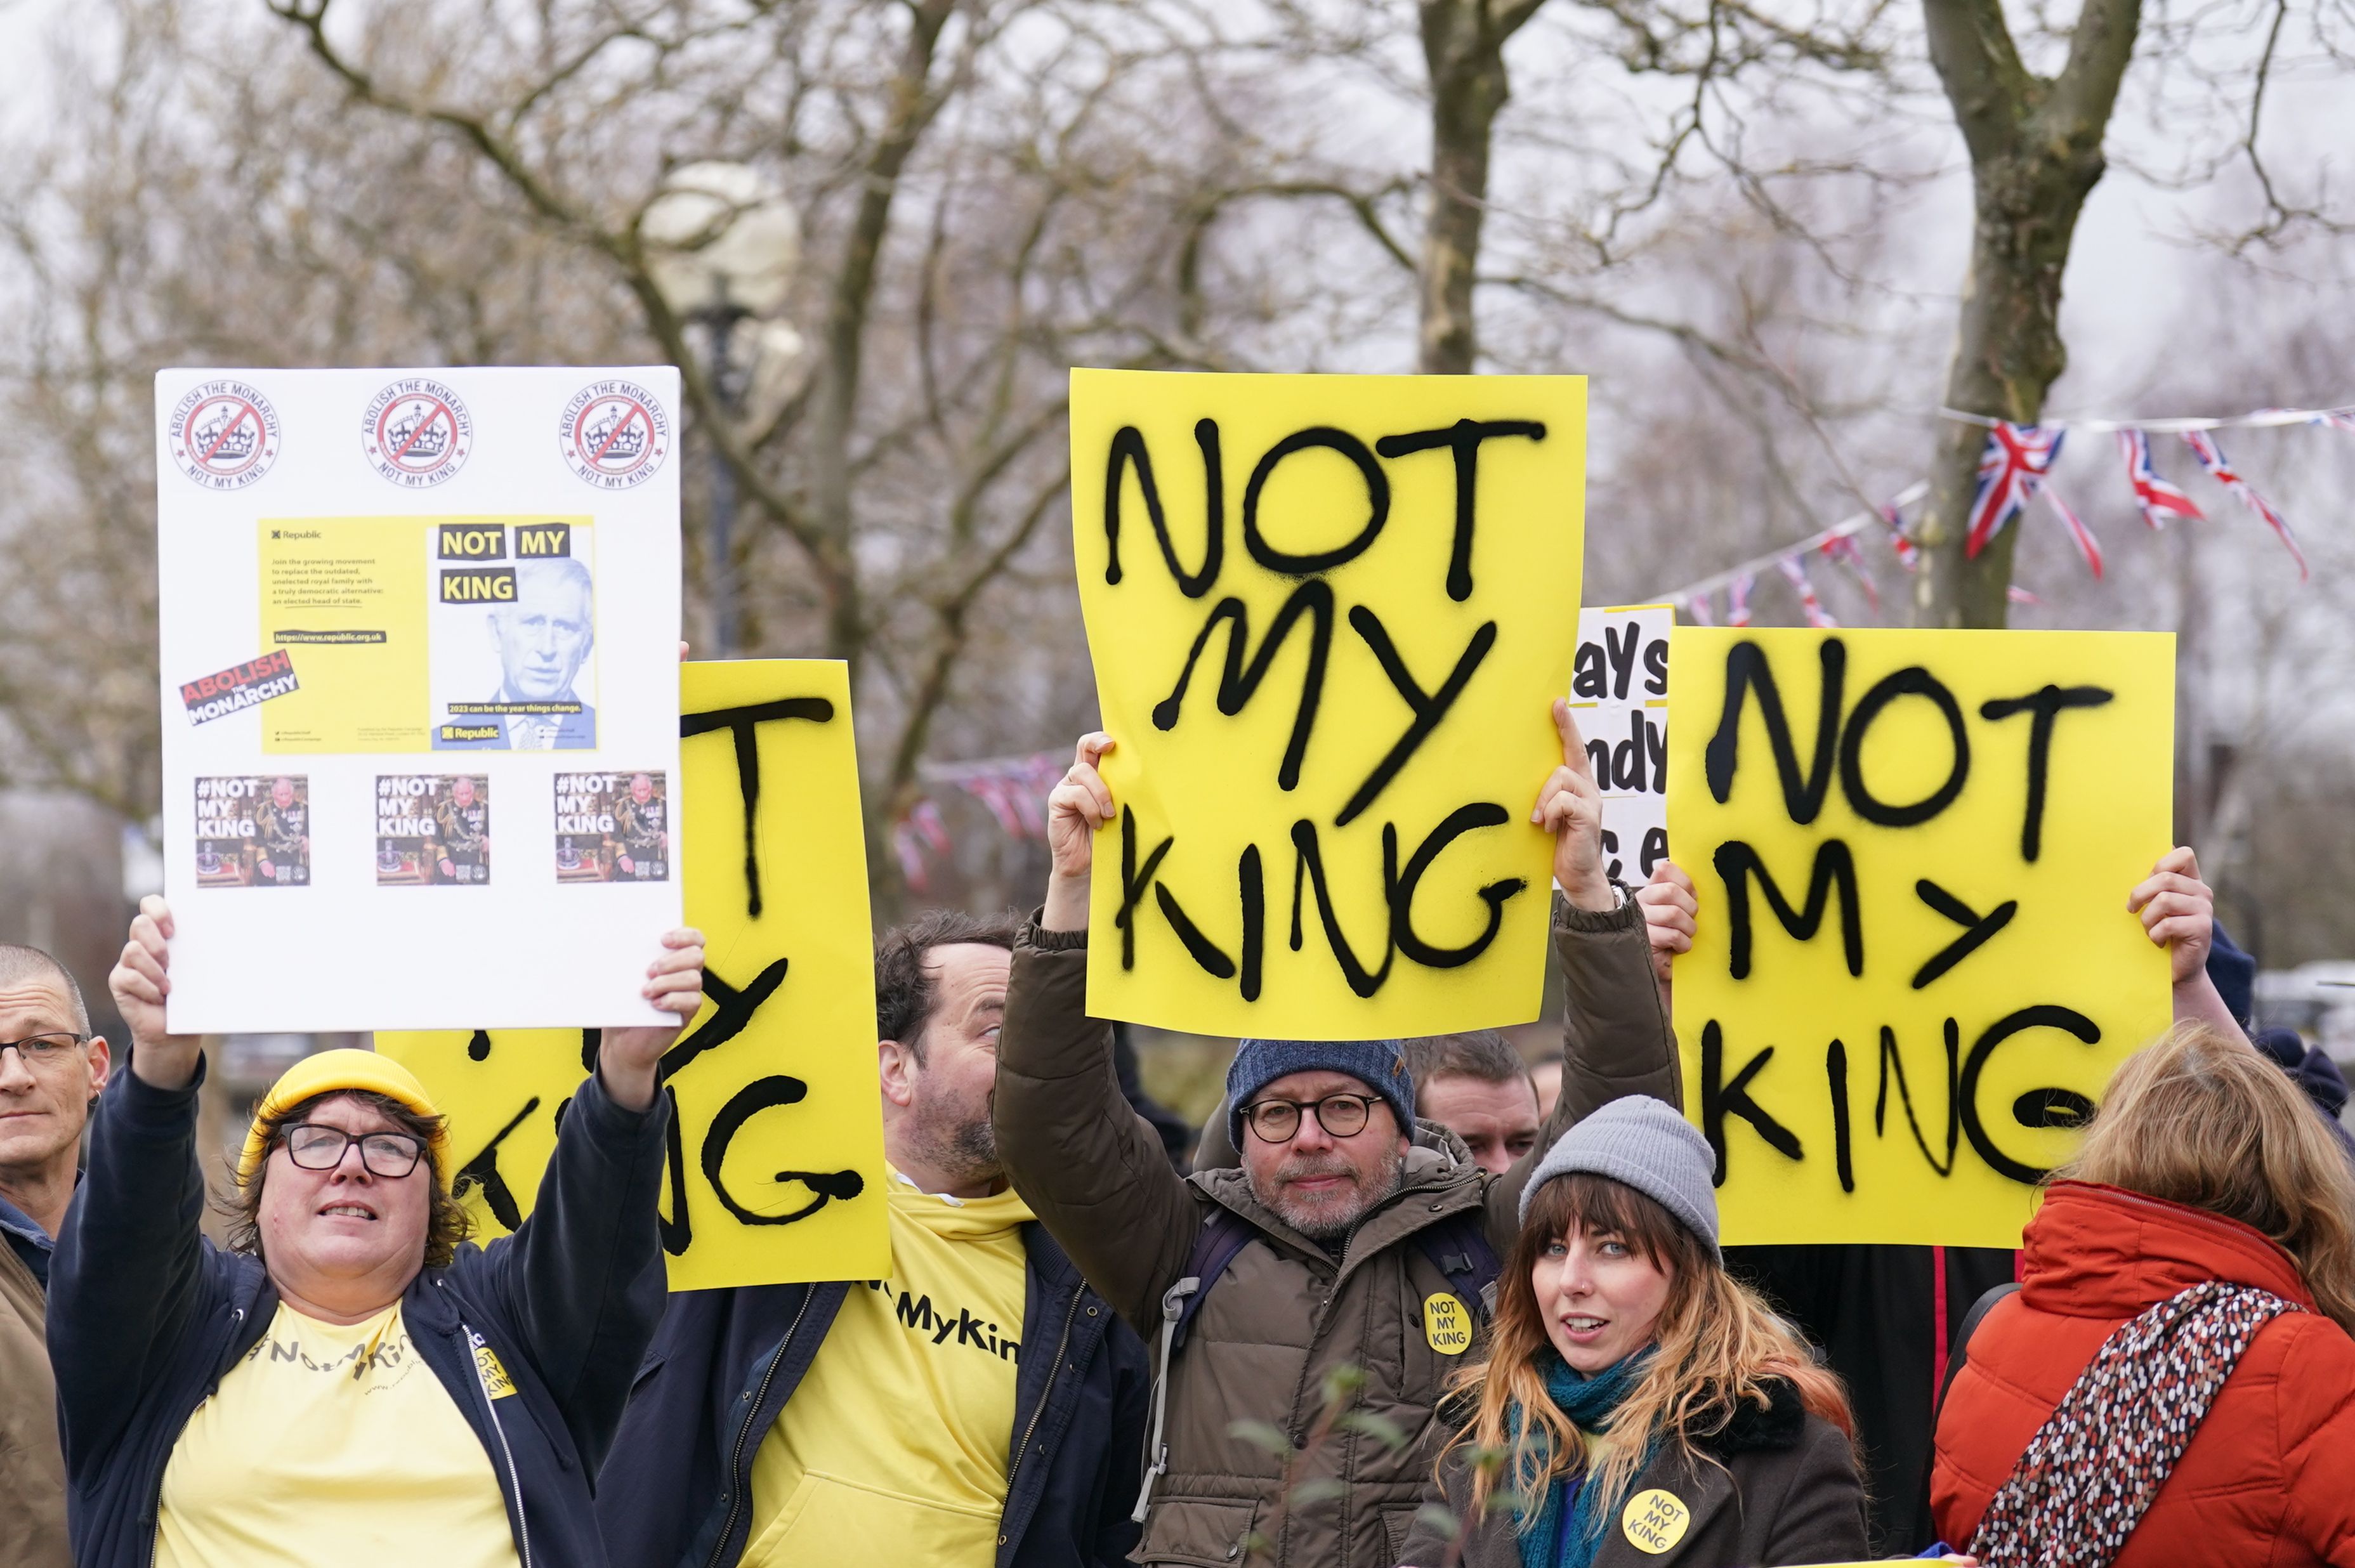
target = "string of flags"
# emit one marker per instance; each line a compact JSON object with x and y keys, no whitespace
{"x":2015,"y":471}
{"x":1013,"y":790}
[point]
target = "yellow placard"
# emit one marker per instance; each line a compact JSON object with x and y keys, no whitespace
{"x":776,"y":1160}
{"x":1914,"y":968}
{"x":1329,"y":616}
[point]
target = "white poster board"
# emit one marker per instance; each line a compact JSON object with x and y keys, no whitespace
{"x":420,"y":666}
{"x":1619,"y":694}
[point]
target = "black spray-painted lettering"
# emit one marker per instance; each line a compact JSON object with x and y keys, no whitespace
{"x":1914,"y":681}
{"x":2047,"y":704}
{"x":1238,"y":681}
{"x":1978,"y":928}
{"x":1835,"y":870}
{"x":743,"y":724}
{"x":1463,"y":440}
{"x":1721,"y":1098}
{"x":1428,"y":708}
{"x":1127,"y":448}
{"x":1746,"y":669}
{"x":2067,"y":1020}
{"x":1378,"y":503}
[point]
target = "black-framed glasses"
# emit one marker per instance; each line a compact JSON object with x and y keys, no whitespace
{"x":43,"y":1050}
{"x":1342,"y":1115}
{"x":314,"y":1145}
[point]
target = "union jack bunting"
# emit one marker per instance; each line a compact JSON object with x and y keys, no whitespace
{"x":2020,"y":595}
{"x":1843,"y":549}
{"x":1699,"y":605}
{"x":1797,"y":571}
{"x":2014,"y":462}
{"x":2220,"y":468}
{"x":2077,"y":530}
{"x":1909,"y":555}
{"x":1737,"y":602}
{"x":2158,"y":499}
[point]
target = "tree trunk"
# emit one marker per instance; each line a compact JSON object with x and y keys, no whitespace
{"x":2036,"y":154}
{"x":1463,"y":46}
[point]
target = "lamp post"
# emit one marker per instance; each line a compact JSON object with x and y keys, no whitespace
{"x":721,"y":243}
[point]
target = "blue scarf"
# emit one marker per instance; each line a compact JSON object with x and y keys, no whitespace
{"x":1569,"y":1528}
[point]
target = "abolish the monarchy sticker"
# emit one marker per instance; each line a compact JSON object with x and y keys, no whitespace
{"x":224,"y":434}
{"x":417,"y":432}
{"x":615,"y":434}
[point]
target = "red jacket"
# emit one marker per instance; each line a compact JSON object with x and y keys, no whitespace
{"x":2270,"y":1475}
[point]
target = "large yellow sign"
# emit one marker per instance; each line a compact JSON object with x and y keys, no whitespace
{"x":1913,"y":969}
{"x":776,"y":1155}
{"x":1328,"y":615}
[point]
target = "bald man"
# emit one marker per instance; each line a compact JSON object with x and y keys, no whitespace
{"x":51,"y":1069}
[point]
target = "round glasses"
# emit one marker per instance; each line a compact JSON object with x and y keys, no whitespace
{"x":1341,"y":1116}
{"x":316,"y":1147}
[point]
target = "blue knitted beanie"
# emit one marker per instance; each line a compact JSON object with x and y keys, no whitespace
{"x":1379,"y":1064}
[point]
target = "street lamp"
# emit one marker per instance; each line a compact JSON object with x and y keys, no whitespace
{"x":721,"y":243}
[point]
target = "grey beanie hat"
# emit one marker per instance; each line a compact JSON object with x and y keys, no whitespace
{"x":1379,"y":1064}
{"x":1645,"y":1144}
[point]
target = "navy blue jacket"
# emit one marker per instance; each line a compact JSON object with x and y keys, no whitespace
{"x":680,"y":1489}
{"x":146,"y":1317}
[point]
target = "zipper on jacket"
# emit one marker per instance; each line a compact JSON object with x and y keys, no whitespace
{"x":1071,"y":1315}
{"x":737,"y":1495}
{"x":490,"y":1407}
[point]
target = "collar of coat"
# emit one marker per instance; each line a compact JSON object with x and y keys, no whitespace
{"x":1750,"y":1428}
{"x":1437,"y":1179}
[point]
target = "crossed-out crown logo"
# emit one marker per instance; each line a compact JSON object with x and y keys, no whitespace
{"x":224,"y":434}
{"x":615,"y":434}
{"x":417,"y":432}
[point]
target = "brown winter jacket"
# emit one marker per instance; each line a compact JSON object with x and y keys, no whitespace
{"x":31,"y":1465}
{"x":1773,"y":1487}
{"x":1284,"y":1313}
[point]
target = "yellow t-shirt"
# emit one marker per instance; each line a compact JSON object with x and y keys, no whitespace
{"x":331,"y":1444}
{"x":893,"y":1449}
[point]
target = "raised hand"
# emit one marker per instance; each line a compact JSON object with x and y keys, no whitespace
{"x":1570,"y":806}
{"x":627,"y":1058}
{"x":1669,"y":909}
{"x":2178,"y":910}
{"x":1075,"y":809}
{"x":141,"y":980}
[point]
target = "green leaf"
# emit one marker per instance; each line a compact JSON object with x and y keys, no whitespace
{"x":1317,"y":1490}
{"x":1261,"y":1435}
{"x":1441,"y":1519}
{"x":1381,"y":1428}
{"x":1343,"y":1381}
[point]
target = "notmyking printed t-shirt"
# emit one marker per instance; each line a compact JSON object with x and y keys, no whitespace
{"x":331,"y":1444}
{"x":851,"y":1471}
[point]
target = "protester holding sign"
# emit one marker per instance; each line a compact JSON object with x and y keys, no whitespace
{"x":2174,"y":1383}
{"x":1013,"y":1402}
{"x":1350,"y":1247}
{"x":1633,"y":1389}
{"x":352,"y":1385}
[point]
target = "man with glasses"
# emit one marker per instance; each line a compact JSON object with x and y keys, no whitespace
{"x":350,"y":1382}
{"x":1346,"y":1252}
{"x":51,"y":1069}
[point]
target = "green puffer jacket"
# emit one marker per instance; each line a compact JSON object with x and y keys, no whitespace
{"x":1285,"y":1312}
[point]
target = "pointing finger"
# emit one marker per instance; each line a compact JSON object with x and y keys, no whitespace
{"x":1573,"y":745}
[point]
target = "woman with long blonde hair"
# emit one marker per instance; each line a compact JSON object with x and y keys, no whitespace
{"x":2175,"y":1381}
{"x":1637,"y":1405}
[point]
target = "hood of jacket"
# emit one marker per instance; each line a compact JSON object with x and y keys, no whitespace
{"x":2103,"y":1252}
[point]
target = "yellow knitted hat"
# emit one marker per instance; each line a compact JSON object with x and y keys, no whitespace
{"x":325,"y":1073}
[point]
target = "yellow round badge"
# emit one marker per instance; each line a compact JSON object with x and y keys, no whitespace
{"x":1446,"y":1325}
{"x":1655,"y":1520}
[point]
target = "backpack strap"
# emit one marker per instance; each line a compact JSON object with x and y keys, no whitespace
{"x":1458,"y":1248}
{"x":1222,"y":1235}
